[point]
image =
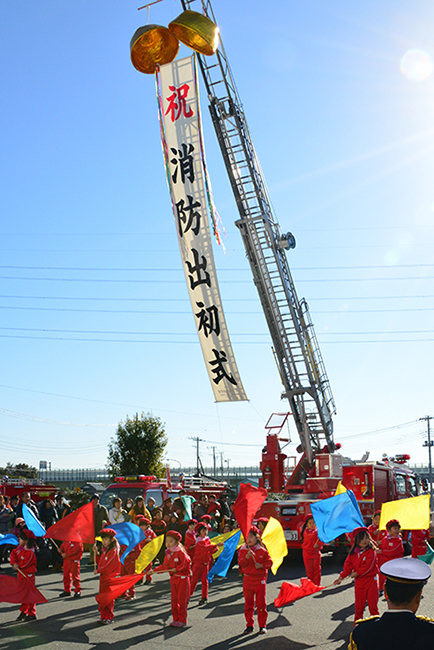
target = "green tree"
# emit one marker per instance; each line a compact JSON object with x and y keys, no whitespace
{"x":138,"y":446}
{"x":20,"y":470}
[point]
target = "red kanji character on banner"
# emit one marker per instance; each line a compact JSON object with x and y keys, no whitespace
{"x":177,"y":102}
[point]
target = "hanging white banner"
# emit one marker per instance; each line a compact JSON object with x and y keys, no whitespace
{"x":184,"y":158}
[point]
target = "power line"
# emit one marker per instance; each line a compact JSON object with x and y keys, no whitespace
{"x":236,"y":270}
{"x":182,"y":281}
{"x":184,"y":300}
{"x":186,"y":311}
{"x":160,"y":333}
{"x":177,"y":342}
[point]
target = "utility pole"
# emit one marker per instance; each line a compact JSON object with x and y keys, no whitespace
{"x":221,"y":462}
{"x":214,"y":461}
{"x":198,"y":461}
{"x":429,"y":443}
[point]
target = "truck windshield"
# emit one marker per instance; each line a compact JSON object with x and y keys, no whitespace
{"x":120,"y":492}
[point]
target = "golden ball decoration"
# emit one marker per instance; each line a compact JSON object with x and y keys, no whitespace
{"x":152,"y":45}
{"x":196,"y":31}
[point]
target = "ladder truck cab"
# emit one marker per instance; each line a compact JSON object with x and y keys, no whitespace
{"x":291,"y":493}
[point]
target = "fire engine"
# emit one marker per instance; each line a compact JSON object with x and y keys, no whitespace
{"x":295,"y":346}
{"x":17,"y":486}
{"x":130,"y":487}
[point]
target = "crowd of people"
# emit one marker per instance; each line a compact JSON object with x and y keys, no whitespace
{"x":188,"y":553}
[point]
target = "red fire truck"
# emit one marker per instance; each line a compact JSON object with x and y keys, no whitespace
{"x":130,"y":487}
{"x":292,"y":493}
{"x":38,"y":489}
{"x":295,"y":346}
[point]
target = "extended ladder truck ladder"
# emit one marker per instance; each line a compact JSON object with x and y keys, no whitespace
{"x":301,"y":366}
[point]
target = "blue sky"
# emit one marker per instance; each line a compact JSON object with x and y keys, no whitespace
{"x":95,"y":318}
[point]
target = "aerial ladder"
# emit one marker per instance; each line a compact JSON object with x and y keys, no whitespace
{"x":296,"y":349}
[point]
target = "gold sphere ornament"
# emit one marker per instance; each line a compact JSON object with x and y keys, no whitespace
{"x":196,"y":31}
{"x":152,"y":45}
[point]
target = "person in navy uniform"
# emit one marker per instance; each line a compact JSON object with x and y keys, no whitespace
{"x":398,"y":627}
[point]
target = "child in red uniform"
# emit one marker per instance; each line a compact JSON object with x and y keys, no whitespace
{"x":145,"y":525}
{"x":177,"y":563}
{"x":108,"y":566}
{"x":419,"y":542}
{"x":203,"y":552}
{"x":374,"y":531}
{"x":254,"y":562}
{"x":190,"y":538}
{"x":262,"y":524}
{"x":23,"y":557}
{"x":213,"y":510}
{"x":361,"y":564}
{"x":391,"y":547}
{"x":311,"y":545}
{"x":72,"y":552}
{"x":158,"y":525}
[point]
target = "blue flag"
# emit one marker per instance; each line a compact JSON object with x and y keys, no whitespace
{"x":9,"y":539}
{"x":221,"y":567}
{"x":336,"y":515}
{"x":128,"y":534}
{"x":32,"y":522}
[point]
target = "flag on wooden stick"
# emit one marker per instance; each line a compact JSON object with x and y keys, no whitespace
{"x":78,"y":526}
{"x":15,"y":590}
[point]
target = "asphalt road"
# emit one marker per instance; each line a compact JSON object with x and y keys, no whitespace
{"x":323,"y":620}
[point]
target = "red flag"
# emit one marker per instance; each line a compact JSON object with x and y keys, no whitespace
{"x":248,"y":502}
{"x":14,"y":590}
{"x":112,"y":588}
{"x":78,"y":526}
{"x":289,"y":591}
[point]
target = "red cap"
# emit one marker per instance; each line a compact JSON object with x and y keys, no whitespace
{"x":107,"y":532}
{"x":138,"y":517}
{"x":206,"y":518}
{"x":144,"y":520}
{"x":355,"y":532}
{"x":174,"y":534}
{"x":19,"y":520}
{"x":392,"y":522}
{"x":263,"y":519}
{"x":192,"y":521}
{"x":201,"y":524}
{"x":307,"y":517}
{"x":377,"y":512}
{"x":255,"y":530}
{"x":28,"y":533}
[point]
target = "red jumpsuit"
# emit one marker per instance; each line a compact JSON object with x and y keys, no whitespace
{"x":26,"y":560}
{"x":203,"y":552}
{"x":128,"y":568}
{"x":376,"y":534}
{"x":419,"y":542}
{"x":254,"y":582}
{"x":150,"y":535}
{"x":109,"y":566}
{"x":177,"y":558}
{"x":190,"y":543}
{"x":71,"y":565}
{"x":312,"y":546}
{"x":364,"y":563}
{"x":391,"y":548}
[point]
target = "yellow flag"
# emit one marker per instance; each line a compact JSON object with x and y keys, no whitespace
{"x":148,"y":553}
{"x":412,"y":513}
{"x":340,"y":489}
{"x":223,"y":538}
{"x":275,"y":542}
